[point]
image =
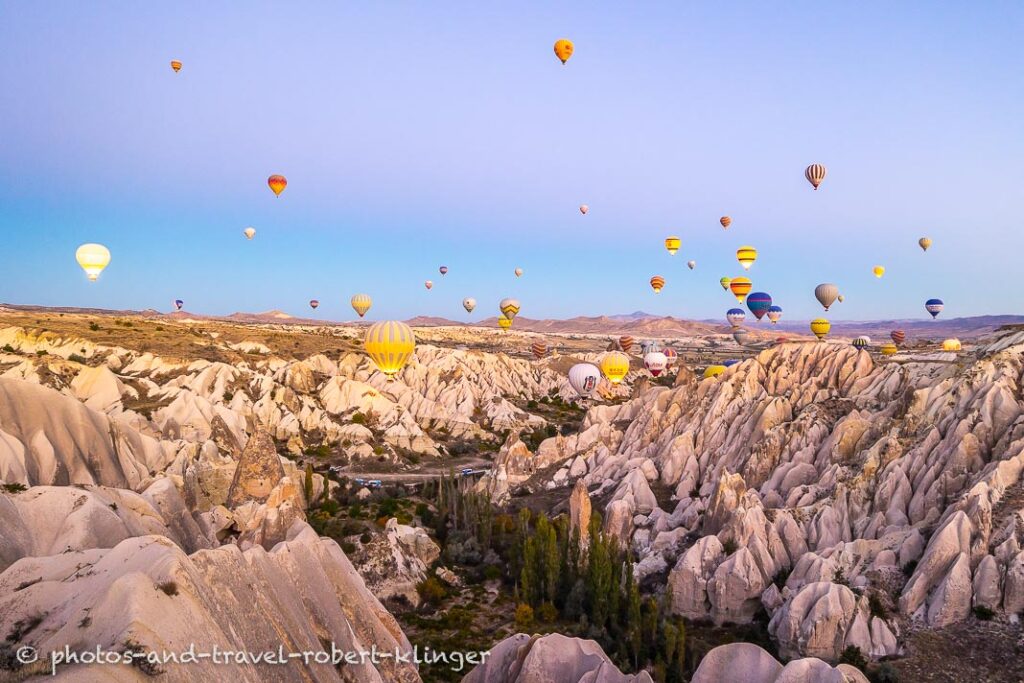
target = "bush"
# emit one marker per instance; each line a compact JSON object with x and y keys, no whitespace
{"x":366,"y":537}
{"x":75,"y":358}
{"x":876,"y":606}
{"x":348,"y":547}
{"x":8,"y":348}
{"x":168,"y":587}
{"x":524,"y":617}
{"x":358,"y":418}
{"x":14,"y":487}
{"x":854,"y":657}
{"x":909,"y":567}
{"x":729,"y":546}
{"x":547,"y":613}
{"x":492,"y":572}
{"x":94,"y":327}
{"x":431,"y":590}
{"x":983,"y":613}
{"x":885,"y":673}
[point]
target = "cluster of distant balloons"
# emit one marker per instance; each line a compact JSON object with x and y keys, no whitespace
{"x":390,"y":343}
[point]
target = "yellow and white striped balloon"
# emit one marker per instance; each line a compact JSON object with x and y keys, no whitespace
{"x":361,"y":303}
{"x":815,"y":173}
{"x":389,"y":344}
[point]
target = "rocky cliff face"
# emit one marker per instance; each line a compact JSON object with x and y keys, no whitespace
{"x":816,"y":483}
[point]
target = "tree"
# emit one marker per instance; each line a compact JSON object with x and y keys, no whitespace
{"x":308,"y":485}
{"x":524,"y":617}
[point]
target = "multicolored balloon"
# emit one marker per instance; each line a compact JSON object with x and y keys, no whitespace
{"x":898,"y":337}
{"x":509,"y":307}
{"x":820,"y":327}
{"x":615,"y":366}
{"x":625,"y":343}
{"x":504,"y":323}
{"x":740,"y":287}
{"x":178,"y":304}
{"x":361,"y":303}
{"x":176,"y":65}
{"x":389,"y":344}
{"x":583,"y":378}
{"x":826,"y":294}
{"x":277,"y":184}
{"x":774,"y":313}
{"x":93,"y":259}
{"x":735,"y":316}
{"x":746,"y":255}
{"x":862,"y":342}
{"x":443,"y":270}
{"x":672,"y":244}
{"x":934,"y":306}
{"x":539,"y":350}
{"x":725,"y":221}
{"x":889,"y":349}
{"x":314,"y":304}
{"x":725,"y":283}
{"x":655,"y":362}
{"x":671,"y":355}
{"x":815,"y":173}
{"x":759,"y":303}
{"x":564,"y":49}
{"x":657,"y":283}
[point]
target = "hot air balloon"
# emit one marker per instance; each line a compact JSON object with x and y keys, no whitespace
{"x":584,"y":208}
{"x":840,"y":298}
{"x":725,"y":221}
{"x":504,"y":323}
{"x":691,"y":264}
{"x":740,"y":287}
{"x":713,"y":371}
{"x":277,"y":184}
{"x":924,"y":243}
{"x":826,"y":294}
{"x":657,"y":282}
{"x":820,"y":327}
{"x":735,"y":316}
{"x":888,"y":349}
{"x":563,"y":49}
{"x":655,"y":362}
{"x":361,"y":303}
{"x":861,"y":342}
{"x":428,"y":284}
{"x":934,"y":306}
{"x":746,"y":255}
{"x":389,"y":344}
{"x":583,"y":377}
{"x":879,"y":271}
{"x":249,"y":233}
{"x":648,"y":346}
{"x":443,"y":270}
{"x":774,"y":313}
{"x":539,"y":349}
{"x":314,"y":304}
{"x":519,"y":272}
{"x":469,"y":303}
{"x":759,"y":303}
{"x":671,"y":356}
{"x":176,"y":65}
{"x":729,"y":363}
{"x":93,"y":258}
{"x":625,"y":343}
{"x":741,"y":336}
{"x":614,"y":366}
{"x":178,"y":304}
{"x":672,"y":244}
{"x":509,"y":307}
{"x":815,"y":173}
{"x":951,"y":345}
{"x":725,"y":283}
{"x":898,"y":337}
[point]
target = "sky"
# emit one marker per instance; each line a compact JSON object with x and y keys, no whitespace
{"x":415,"y":135}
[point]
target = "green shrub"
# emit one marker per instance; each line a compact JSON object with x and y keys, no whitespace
{"x":909,"y":567}
{"x":75,"y":358}
{"x":524,"y":618}
{"x":348,"y":547}
{"x":547,"y":613}
{"x":94,"y":327}
{"x":168,"y":587}
{"x":431,"y":590}
{"x":14,"y":487}
{"x":876,"y":606}
{"x":729,"y":546}
{"x":983,"y":613}
{"x":8,"y":348}
{"x":854,"y":657}
{"x":358,"y":418}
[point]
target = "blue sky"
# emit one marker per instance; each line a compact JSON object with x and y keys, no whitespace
{"x":420,"y":134}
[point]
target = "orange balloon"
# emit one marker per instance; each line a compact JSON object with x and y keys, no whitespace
{"x":176,"y":65}
{"x":563,"y":49}
{"x":277,"y":184}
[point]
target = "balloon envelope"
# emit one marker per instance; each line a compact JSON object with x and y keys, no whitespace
{"x":361,"y":303}
{"x":774,"y":313}
{"x":725,"y":221}
{"x":93,"y":258}
{"x":713,"y":371}
{"x":564,"y":49}
{"x":178,"y":303}
{"x":657,"y":282}
{"x":314,"y":304}
{"x":725,"y":283}
{"x":672,"y":244}
{"x":951,"y":345}
{"x":879,"y":271}
{"x":584,"y":208}
{"x":615,"y":366}
{"x":655,"y":362}
{"x":277,"y":184}
{"x":176,"y":65}
{"x":924,"y":243}
{"x":746,"y":255}
{"x":389,"y":344}
{"x":443,"y":270}
{"x":741,"y":336}
{"x":469,"y":303}
{"x":759,"y":303}
{"x":691,"y":264}
{"x":934,"y":306}
{"x":735,"y":316}
{"x":519,"y":272}
{"x":539,"y":349}
{"x":820,"y":327}
{"x":815,"y":173}
{"x":509,"y":307}
{"x":740,"y":287}
{"x":625,"y":343}
{"x":249,"y":233}
{"x":826,"y":294}
{"x":583,"y":377}
{"x":898,"y":337}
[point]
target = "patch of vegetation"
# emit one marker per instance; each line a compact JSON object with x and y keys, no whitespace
{"x":75,"y":358}
{"x":983,"y":613}
{"x":94,"y":327}
{"x":321,"y":451}
{"x":432,"y":591}
{"x":839,"y":576}
{"x":877,"y":607}
{"x":169,"y":588}
{"x":909,"y":567}
{"x":7,"y":348}
{"x":853,"y":656}
{"x":729,"y":546}
{"x":14,"y":487}
{"x":358,"y":418}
